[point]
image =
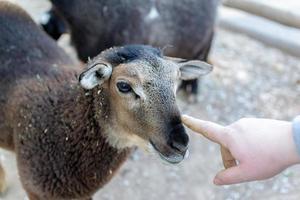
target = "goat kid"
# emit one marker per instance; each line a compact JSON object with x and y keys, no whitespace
{"x":70,"y":136}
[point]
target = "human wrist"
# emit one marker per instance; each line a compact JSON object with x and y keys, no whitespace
{"x":296,"y":136}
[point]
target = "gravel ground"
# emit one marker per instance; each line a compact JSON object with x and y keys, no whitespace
{"x":249,"y":79}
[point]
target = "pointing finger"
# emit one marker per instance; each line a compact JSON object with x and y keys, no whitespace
{"x":210,"y":130}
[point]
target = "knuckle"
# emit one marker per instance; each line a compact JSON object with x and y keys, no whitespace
{"x":226,"y":131}
{"x":227,"y":135}
{"x":242,"y":121}
{"x":239,"y":124}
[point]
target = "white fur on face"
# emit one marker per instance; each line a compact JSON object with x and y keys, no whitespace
{"x":89,"y":81}
{"x":121,"y":140}
{"x":89,"y":78}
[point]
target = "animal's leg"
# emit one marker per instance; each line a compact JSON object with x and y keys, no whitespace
{"x":6,"y":133}
{"x":7,"y":143}
{"x":194,"y":86}
{"x":32,"y":196}
{"x":191,"y":89}
{"x":2,"y":180}
{"x":54,"y":24}
{"x":6,"y":138}
{"x":191,"y":86}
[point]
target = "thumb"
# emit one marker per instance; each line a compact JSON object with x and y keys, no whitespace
{"x":210,"y":130}
{"x":231,"y":175}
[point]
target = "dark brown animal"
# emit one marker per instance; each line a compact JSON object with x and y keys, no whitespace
{"x":70,"y":136}
{"x":183,"y":28}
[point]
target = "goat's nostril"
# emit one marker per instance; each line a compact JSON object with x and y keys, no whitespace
{"x":179,"y":139}
{"x":181,"y":147}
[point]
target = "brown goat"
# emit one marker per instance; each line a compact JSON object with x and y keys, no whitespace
{"x":70,"y":137}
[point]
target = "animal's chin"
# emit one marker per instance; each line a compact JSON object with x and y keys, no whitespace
{"x":173,"y":158}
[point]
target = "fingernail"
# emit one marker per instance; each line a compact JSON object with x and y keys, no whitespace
{"x":217,"y":181}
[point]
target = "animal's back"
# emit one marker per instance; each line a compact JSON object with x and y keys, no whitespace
{"x":25,"y":52}
{"x":186,"y":24}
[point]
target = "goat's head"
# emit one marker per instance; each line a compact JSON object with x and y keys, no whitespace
{"x":141,"y":86}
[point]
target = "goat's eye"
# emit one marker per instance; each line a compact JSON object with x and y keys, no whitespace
{"x":124,"y":87}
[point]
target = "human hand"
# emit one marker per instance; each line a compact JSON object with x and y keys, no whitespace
{"x":262,"y":147}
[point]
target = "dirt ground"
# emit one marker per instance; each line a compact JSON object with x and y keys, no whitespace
{"x":249,"y":79}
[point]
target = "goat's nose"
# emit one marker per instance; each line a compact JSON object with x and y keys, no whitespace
{"x":179,"y":139}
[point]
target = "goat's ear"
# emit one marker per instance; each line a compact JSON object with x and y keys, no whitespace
{"x":193,"y":69}
{"x":95,"y":75}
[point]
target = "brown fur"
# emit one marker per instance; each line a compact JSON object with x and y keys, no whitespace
{"x":70,"y":141}
{"x":46,"y":117}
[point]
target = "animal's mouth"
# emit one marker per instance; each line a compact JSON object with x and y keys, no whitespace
{"x":173,"y":157}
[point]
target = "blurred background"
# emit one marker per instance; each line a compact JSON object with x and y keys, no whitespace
{"x":256,"y":73}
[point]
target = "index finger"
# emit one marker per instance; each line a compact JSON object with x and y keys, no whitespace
{"x":210,"y":130}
